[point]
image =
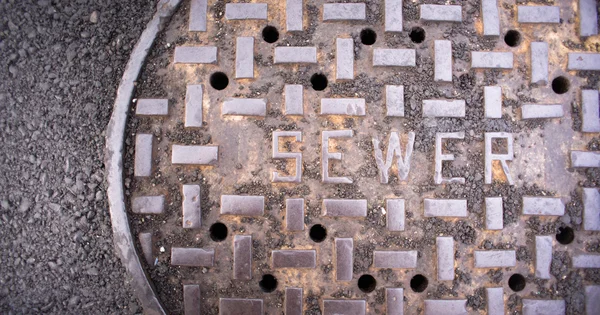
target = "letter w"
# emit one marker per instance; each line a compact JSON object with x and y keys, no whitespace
{"x":394,"y":149}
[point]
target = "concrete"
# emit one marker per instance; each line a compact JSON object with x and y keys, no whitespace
{"x":293,"y":54}
{"x":344,"y":11}
{"x":344,"y":259}
{"x":445,"y":258}
{"x":242,"y":257}
{"x":191,"y":208}
{"x":294,"y":99}
{"x":541,"y":307}
{"x":495,"y":258}
{"x":442,"y":61}
{"x":194,"y":154}
{"x":194,"y":106}
{"x":345,"y":207}
{"x":394,"y":100}
{"x":294,"y":214}
{"x":246,"y":11}
{"x":445,"y":207}
{"x":152,"y":107}
{"x":491,"y":60}
{"x":344,"y":307}
{"x":530,"y":111}
{"x":494,"y":214}
{"x":585,"y":159}
{"x":444,"y":108}
{"x":543,"y":206}
{"x":294,"y":258}
{"x":394,"y":57}
{"x":343,"y":106}
{"x":590,"y":111}
{"x":539,"y":62}
{"x":143,"y":155}
{"x":195,"y":54}
{"x":584,"y":61}
{"x":393,"y":16}
{"x":492,"y":99}
{"x":192,"y":257}
{"x":591,"y":209}
{"x":395,"y":214}
{"x":538,"y":14}
{"x":395,"y":259}
{"x":543,"y":256}
{"x":242,"y":205}
{"x":440,"y":13}
{"x":445,"y":307}
{"x":244,"y":58}
{"x":491,"y":18}
{"x":148,"y":204}
{"x":293,"y":15}
{"x":244,"y":107}
{"x":344,"y":57}
{"x":197,"y":22}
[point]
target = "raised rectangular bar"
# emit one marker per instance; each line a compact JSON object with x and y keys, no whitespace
{"x":145,"y":239}
{"x":344,"y":56}
{"x":394,"y":57}
{"x":244,"y":57}
{"x":195,"y":54}
{"x":193,"y":106}
{"x":590,"y":111}
{"x":588,"y":19}
{"x":445,"y":207}
{"x":393,"y":16}
{"x":344,"y":11}
{"x":530,"y":111}
{"x":543,"y":206}
{"x":343,"y":106}
{"x":394,"y":100}
{"x":543,"y":256}
{"x":293,"y":301}
{"x":585,"y":159}
{"x":242,"y":257}
{"x":194,"y":154}
{"x":143,"y":155}
{"x":443,"y":61}
{"x":492,"y":98}
{"x":246,"y":11}
{"x":294,"y":99}
{"x":541,"y":307}
{"x":245,"y":106}
{"x":494,"y":219}
{"x":491,"y":18}
{"x":444,"y":108}
{"x":191,"y":299}
{"x":296,"y":258}
{"x":295,"y":54}
{"x":445,"y":258}
{"x":583,"y":61}
{"x":591,"y":209}
{"x":197,"y":18}
{"x":293,"y":15}
{"x":395,"y":259}
{"x":592,"y":299}
{"x":538,"y":14}
{"x":345,"y":207}
{"x":445,"y":307}
{"x":539,"y":62}
{"x":344,"y":259}
{"x":586,"y":261}
{"x":495,"y":301}
{"x":229,"y":306}
{"x":495,"y":258}
{"x":294,"y":214}
{"x":441,"y":13}
{"x":192,"y":213}
{"x":395,"y":214}
{"x":148,"y":204}
{"x":242,"y":205}
{"x":152,"y":107}
{"x":491,"y":60}
{"x":192,"y":257}
{"x":394,"y":298}
{"x":344,"y":307}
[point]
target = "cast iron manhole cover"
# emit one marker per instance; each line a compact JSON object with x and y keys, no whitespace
{"x":380,"y":157}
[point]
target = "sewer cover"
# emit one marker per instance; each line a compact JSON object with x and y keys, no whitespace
{"x":381,"y":157}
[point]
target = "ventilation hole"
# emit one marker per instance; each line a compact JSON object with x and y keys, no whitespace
{"x":565,"y":235}
{"x":417,"y":34}
{"x":368,"y":36}
{"x":516,"y":282}
{"x":270,"y":34}
{"x":218,"y":232}
{"x":268,"y":283}
{"x":419,"y":283}
{"x":560,"y":85}
{"x":318,"y":233}
{"x":318,"y":81}
{"x":219,"y":80}
{"x":367,"y":283}
{"x":512,"y":38}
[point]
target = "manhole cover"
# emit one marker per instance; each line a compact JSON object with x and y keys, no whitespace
{"x":381,"y":157}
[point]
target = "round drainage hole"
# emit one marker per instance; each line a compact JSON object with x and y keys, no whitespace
{"x":218,"y":232}
{"x":318,"y":81}
{"x":367,"y":283}
{"x":268,"y":283}
{"x":516,"y":282}
{"x":318,"y":233}
{"x":419,"y":283}
{"x":219,"y":80}
{"x":417,"y":34}
{"x":560,"y":85}
{"x":565,"y":235}
{"x":270,"y":34}
{"x":512,"y":38}
{"x":368,"y":36}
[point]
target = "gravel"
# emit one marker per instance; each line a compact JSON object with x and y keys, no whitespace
{"x":60,"y":65}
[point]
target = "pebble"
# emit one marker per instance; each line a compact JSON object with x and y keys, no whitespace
{"x":94,"y":17}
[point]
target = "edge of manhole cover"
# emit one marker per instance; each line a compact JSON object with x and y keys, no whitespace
{"x":122,"y":237}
